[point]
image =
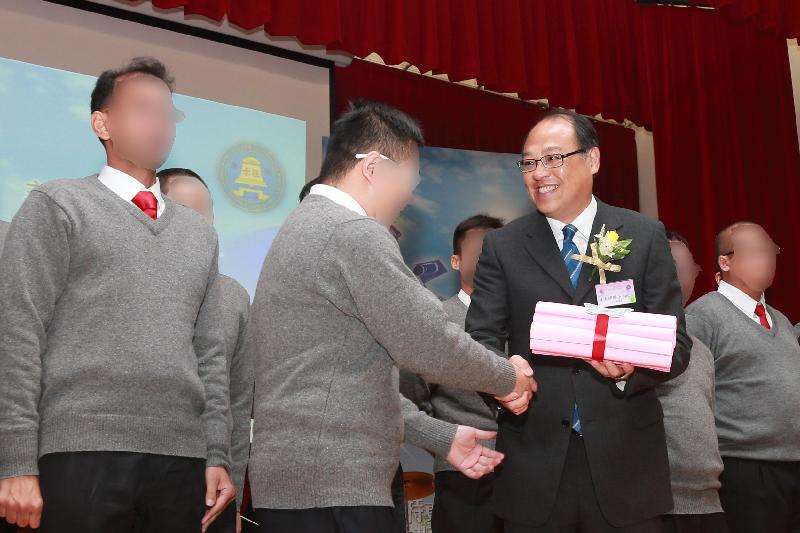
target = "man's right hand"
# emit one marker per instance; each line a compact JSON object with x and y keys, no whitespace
{"x":21,"y":501}
{"x":517,"y":400}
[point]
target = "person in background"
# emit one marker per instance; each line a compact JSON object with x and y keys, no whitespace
{"x":5,"y":527}
{"x":757,"y":364}
{"x":307,"y":187}
{"x":331,"y":321}
{"x":460,"y":503}
{"x":186,"y":187}
{"x":114,"y":409}
{"x":688,"y":403}
{"x":3,"y":230}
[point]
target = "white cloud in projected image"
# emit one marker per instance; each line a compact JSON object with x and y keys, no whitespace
{"x":457,"y":184}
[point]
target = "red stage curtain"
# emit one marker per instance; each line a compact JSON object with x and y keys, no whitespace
{"x":725,"y":135}
{"x":454,"y":116}
{"x":713,"y":86}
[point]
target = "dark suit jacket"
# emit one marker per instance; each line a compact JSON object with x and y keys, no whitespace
{"x":623,"y":431}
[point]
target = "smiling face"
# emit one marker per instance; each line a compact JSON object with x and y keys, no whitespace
{"x":564,"y":192}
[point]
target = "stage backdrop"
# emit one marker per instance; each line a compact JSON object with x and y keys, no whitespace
{"x":253,"y":162}
{"x":456,"y":184}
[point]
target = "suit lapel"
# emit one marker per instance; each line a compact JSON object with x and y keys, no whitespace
{"x":542,"y":247}
{"x":588,"y":279}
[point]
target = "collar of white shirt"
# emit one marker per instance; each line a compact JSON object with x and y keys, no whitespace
{"x":582,"y":222}
{"x":126,"y":186}
{"x":743,"y":301}
{"x":465,"y":298}
{"x":338,"y":196}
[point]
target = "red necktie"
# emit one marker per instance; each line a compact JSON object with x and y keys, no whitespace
{"x":761,"y":313}
{"x":146,"y":201}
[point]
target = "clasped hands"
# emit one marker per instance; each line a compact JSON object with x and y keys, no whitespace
{"x":517,"y":400}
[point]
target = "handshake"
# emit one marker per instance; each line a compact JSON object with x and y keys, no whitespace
{"x":517,"y":400}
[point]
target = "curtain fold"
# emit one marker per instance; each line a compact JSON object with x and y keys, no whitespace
{"x":714,"y":87}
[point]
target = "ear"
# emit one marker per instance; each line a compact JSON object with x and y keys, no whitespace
{"x":593,"y":157}
{"x":724,"y":263}
{"x":99,"y":127}
{"x":455,"y":262}
{"x":368,"y":165}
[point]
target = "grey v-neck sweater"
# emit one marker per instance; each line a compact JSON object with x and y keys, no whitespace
{"x":235,"y":310}
{"x":109,"y":330}
{"x":445,"y":408}
{"x":757,"y":394}
{"x":336,"y":311}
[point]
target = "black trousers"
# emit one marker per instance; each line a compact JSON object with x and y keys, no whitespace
{"x":761,"y":496}
{"x":226,"y":521}
{"x":121,"y":492}
{"x":695,"y":523}
{"x":576,"y":509}
{"x":463,"y":505}
{"x":357,"y":519}
{"x":399,"y":499}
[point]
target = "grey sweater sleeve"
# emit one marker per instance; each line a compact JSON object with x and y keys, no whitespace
{"x":242,"y":380}
{"x":403,"y":316}
{"x":34,"y":265}
{"x":212,"y":368}
{"x":425,"y":431}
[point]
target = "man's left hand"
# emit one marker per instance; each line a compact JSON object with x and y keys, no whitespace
{"x":219,"y":493}
{"x":614,"y":371}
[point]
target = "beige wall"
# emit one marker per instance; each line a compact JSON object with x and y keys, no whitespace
{"x":69,"y":39}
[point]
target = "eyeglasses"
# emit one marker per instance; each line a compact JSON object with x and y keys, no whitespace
{"x":363,"y":156}
{"x":416,"y":179}
{"x":765,"y":251}
{"x":168,"y":114}
{"x":548,"y":161}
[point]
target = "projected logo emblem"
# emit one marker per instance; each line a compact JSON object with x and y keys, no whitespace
{"x":251,"y":176}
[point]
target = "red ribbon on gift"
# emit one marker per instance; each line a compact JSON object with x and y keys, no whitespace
{"x":600,"y":332}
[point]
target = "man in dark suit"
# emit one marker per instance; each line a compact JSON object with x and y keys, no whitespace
{"x":590,"y":454}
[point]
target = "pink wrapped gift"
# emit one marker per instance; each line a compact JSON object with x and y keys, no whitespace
{"x":642,"y":339}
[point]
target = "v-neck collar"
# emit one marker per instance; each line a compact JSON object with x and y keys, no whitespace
{"x":155,"y":226}
{"x":752,"y":323}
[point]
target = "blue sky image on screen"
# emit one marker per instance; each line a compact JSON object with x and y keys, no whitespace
{"x":253,"y":162}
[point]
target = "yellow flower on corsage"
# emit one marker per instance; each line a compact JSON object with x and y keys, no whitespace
{"x":608,"y":247}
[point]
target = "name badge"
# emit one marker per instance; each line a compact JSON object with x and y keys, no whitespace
{"x":617,"y":293}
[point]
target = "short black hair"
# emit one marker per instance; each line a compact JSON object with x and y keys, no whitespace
{"x":365,"y":127}
{"x":166,"y":176}
{"x":585,"y":133}
{"x":674,"y":236}
{"x":104,"y":86}
{"x":474,"y":222}
{"x":307,"y":187}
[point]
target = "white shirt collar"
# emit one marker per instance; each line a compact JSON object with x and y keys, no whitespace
{"x":742,"y":300}
{"x":465,"y":298}
{"x":338,"y":196}
{"x":582,"y":222}
{"x":126,"y":186}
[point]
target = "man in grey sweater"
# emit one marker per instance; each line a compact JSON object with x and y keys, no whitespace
{"x":187,"y":188}
{"x":335,"y":312}
{"x":460,"y":503}
{"x":757,"y":362}
{"x":114,"y":416}
{"x":688,"y":402}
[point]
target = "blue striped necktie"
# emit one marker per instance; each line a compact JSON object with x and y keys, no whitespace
{"x":574,"y":272}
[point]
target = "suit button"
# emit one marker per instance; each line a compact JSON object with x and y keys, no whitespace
{"x":565,"y":422}
{"x":576,"y":370}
